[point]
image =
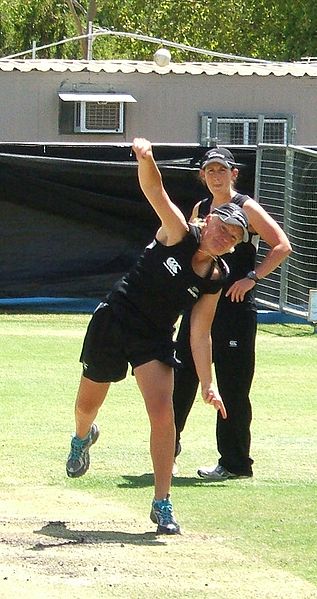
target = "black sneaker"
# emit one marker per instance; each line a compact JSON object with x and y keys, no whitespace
{"x":162,"y":515}
{"x":78,"y":460}
{"x":219,"y":474}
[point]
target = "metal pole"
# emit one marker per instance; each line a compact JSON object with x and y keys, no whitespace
{"x":258,"y":166}
{"x":33,"y":50}
{"x":288,"y":182}
{"x":89,"y":41}
{"x":260,"y":129}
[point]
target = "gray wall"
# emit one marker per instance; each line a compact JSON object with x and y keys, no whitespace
{"x":167,"y":108}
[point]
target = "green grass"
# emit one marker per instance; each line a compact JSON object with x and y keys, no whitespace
{"x":272,"y":516}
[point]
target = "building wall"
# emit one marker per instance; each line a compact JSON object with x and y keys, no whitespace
{"x":168,"y":105}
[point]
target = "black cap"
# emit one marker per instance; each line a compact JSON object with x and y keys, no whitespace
{"x":221,"y":155}
{"x":232,"y":214}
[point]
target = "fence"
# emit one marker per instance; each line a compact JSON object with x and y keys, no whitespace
{"x":286,"y":186}
{"x":62,"y":208}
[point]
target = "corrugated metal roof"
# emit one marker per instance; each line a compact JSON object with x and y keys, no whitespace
{"x":295,"y":69}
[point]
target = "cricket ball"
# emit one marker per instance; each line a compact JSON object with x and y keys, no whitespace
{"x":162,"y":57}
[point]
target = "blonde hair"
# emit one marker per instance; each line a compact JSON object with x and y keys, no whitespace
{"x":199,"y":222}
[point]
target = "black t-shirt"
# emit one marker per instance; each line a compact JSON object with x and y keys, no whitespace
{"x":163,"y":284}
{"x":240,"y":262}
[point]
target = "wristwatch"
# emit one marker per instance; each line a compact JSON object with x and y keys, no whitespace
{"x":253,"y":276}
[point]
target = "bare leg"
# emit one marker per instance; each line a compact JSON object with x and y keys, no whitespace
{"x":155,"y":381}
{"x":90,"y":398}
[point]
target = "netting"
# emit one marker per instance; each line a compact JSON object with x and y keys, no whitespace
{"x":73,"y":218}
{"x":286,"y":184}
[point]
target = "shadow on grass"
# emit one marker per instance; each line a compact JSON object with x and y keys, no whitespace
{"x":66,"y":536}
{"x":287,"y":330}
{"x":146,"y":480}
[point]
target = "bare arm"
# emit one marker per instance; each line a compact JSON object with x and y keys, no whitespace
{"x":174,"y":226}
{"x":202,"y":316}
{"x":268,"y":229}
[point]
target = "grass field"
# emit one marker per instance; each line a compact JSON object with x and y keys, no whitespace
{"x":246,"y":528}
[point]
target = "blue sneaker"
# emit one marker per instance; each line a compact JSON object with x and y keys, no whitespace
{"x":162,"y":515}
{"x":78,"y":460}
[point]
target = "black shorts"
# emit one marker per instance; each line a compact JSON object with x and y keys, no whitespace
{"x":112,"y":343}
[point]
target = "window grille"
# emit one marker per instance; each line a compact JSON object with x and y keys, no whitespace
{"x":243,"y":130}
{"x":99,"y":117}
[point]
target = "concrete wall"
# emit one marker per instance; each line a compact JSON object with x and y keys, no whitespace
{"x":167,"y":108}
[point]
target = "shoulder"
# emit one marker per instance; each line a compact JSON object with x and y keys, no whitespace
{"x":191,"y":239}
{"x":241,"y":199}
{"x":252,"y":208}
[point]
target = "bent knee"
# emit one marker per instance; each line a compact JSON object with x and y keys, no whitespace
{"x":160,"y":408}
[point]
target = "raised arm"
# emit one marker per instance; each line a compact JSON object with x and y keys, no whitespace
{"x":174,"y":225}
{"x":202,"y":316}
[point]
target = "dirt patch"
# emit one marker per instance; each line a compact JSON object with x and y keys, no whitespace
{"x":49,"y":550}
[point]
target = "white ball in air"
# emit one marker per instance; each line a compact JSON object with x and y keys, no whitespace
{"x":162,"y":57}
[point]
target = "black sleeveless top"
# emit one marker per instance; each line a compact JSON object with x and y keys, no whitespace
{"x":240,"y":262}
{"x":162,"y":283}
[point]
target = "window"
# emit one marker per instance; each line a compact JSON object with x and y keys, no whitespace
{"x":92,"y":112}
{"x":246,"y":131}
{"x":99,"y":117}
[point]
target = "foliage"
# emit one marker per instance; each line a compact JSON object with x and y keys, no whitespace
{"x":44,"y":21}
{"x":267,"y":29}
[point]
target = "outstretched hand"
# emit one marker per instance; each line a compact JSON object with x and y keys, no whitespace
{"x":142,"y":148}
{"x":212,"y":397}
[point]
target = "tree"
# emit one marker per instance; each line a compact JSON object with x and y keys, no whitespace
{"x":90,"y":14}
{"x":43,"y":21}
{"x":267,"y":29}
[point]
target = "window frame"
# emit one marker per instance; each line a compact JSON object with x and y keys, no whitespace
{"x":73,"y":110}
{"x":209,"y":127}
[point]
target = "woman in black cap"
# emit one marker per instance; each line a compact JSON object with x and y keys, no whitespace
{"x":234,"y":325}
{"x":180,"y":269}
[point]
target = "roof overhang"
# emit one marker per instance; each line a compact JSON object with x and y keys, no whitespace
{"x":95,"y":97}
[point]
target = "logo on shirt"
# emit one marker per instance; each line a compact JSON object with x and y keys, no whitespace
{"x":100,"y":305}
{"x":233,"y":343}
{"x":172,"y":266}
{"x":194,"y":292}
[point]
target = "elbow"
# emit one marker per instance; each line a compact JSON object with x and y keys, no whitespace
{"x":285,"y":249}
{"x":288,"y":249}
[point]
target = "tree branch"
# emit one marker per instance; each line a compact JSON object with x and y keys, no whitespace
{"x":78,"y":26}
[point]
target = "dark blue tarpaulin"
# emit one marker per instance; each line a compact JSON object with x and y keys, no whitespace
{"x":73,"y":218}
